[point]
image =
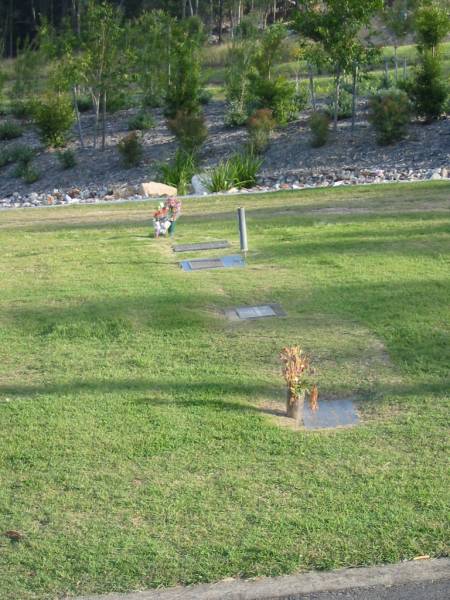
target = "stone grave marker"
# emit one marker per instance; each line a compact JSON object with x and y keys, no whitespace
{"x":201,"y":246}
{"x":261,"y":311}
{"x":330,"y":414}
{"x":203,"y":264}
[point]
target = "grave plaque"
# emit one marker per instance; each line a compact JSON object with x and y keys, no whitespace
{"x":245,"y":313}
{"x":331,"y":414}
{"x":203,"y":264}
{"x":207,"y":263}
{"x":201,"y":246}
{"x":255,"y":312}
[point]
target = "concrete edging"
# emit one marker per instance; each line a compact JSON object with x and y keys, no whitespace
{"x":292,"y":587}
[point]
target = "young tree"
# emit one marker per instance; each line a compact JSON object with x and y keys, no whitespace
{"x":336,"y":24}
{"x":432,"y":23}
{"x":185,"y":85}
{"x":398,"y":17}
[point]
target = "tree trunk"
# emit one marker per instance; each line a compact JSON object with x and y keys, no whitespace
{"x":336,"y":99}
{"x":395,"y":64}
{"x":354,"y":96}
{"x":96,"y":100}
{"x":404,"y":69}
{"x":311,"y":87}
{"x":77,"y":113}
{"x":295,"y":406}
{"x":104,"y":121}
{"x":220,"y":20}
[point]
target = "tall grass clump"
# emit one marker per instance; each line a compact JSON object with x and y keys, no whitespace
{"x":179,"y":172}
{"x":239,"y":171}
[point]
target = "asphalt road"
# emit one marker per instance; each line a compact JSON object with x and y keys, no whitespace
{"x":428,"y":590}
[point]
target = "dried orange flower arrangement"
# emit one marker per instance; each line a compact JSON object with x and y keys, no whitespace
{"x":298,"y":375}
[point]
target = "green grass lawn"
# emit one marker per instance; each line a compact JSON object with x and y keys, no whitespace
{"x":136,"y":448}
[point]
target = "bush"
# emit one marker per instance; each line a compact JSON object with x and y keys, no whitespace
{"x":428,"y":90}
{"x":116,"y":101}
{"x":344,"y":105}
{"x":180,"y":171}
{"x":190,"y":130}
{"x":205,"y":97}
{"x":279,"y":95}
{"x":238,"y":171}
{"x":10,"y":130}
{"x":31,"y":174}
{"x":22,"y":154}
{"x":53,"y":116}
{"x":84,"y":103}
{"x":67,"y":159}
{"x":389,"y":113}
{"x":236,"y":115}
{"x":141,"y":122}
{"x":260,"y":125}
{"x":319,"y":123}
{"x":131,"y":150}
{"x":21,"y":109}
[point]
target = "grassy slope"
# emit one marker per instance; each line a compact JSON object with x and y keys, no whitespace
{"x":132,"y":450}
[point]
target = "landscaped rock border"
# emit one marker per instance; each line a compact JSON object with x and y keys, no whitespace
{"x":288,"y":181}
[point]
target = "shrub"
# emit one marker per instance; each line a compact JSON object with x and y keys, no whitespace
{"x":236,"y":114}
{"x":67,"y":159}
{"x":141,"y":122}
{"x":116,"y":101}
{"x":31,"y":174}
{"x":180,"y":171}
{"x":279,"y":95}
{"x":428,"y":90}
{"x":130,"y":149}
{"x":21,"y":109}
{"x":389,"y":113}
{"x":84,"y":103}
{"x":10,"y":130}
{"x":344,"y":105}
{"x":238,"y":171}
{"x":53,"y":116}
{"x":205,"y":97}
{"x":260,"y":125}
{"x":319,"y":123}
{"x":190,"y":130}
{"x":22,"y":154}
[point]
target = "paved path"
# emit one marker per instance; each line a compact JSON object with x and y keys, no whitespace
{"x":415,"y":580}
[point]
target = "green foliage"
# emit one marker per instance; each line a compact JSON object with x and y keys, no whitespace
{"x":10,"y":130}
{"x":428,"y":90}
{"x":31,"y":174}
{"x":239,"y":171}
{"x":179,"y":171}
{"x":150,"y":54}
{"x":389,"y":113}
{"x":240,"y":63}
{"x":117,"y":100}
{"x":67,"y":159}
{"x":141,"y":122}
{"x":260,"y":125}
{"x":21,"y":109}
{"x":54,"y":116}
{"x":432,"y":23}
{"x":278,"y":95}
{"x":131,"y":150}
{"x":185,"y":86}
{"x":84,"y":103}
{"x":19,"y":153}
{"x":28,"y":67}
{"x":344,"y":105}
{"x":319,"y":123}
{"x":190,"y":130}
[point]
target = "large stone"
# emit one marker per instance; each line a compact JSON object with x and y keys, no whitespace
{"x":123,"y":191}
{"x":153,"y":188}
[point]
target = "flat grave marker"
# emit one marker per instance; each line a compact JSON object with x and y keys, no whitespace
{"x":201,"y":246}
{"x":330,"y":414}
{"x":203,"y":264}
{"x":261,"y":311}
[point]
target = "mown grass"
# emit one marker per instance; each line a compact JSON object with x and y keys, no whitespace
{"x":134,"y":452}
